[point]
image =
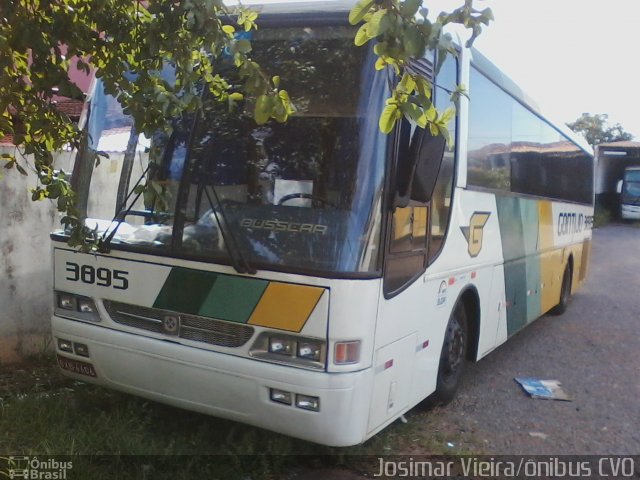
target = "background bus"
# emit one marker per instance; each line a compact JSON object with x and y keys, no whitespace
{"x":319,"y":278}
{"x":629,"y":189}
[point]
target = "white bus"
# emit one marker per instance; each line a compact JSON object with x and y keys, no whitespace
{"x":629,"y":190}
{"x":319,"y":278}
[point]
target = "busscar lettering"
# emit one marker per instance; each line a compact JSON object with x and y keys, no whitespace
{"x":280,"y":226}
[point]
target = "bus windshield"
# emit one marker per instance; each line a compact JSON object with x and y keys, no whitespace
{"x":632,"y":185}
{"x":300,"y":196}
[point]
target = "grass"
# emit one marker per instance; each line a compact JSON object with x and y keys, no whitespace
{"x":113,"y":435}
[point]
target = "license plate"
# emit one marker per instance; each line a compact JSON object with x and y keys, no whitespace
{"x":75,"y":366}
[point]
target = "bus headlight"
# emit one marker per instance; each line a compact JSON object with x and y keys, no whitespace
{"x":86,"y":305}
{"x":290,"y":349}
{"x":66,"y":301}
{"x":281,"y":346}
{"x":75,"y":307}
{"x":310,"y":350}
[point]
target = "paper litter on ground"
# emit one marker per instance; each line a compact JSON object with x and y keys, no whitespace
{"x":545,"y":389}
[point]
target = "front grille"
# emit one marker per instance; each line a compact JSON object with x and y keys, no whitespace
{"x":191,"y":327}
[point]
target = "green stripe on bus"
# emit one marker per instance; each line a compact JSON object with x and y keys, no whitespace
{"x":518,"y":219}
{"x":530,"y":228}
{"x":233,"y":298}
{"x":185,"y":290}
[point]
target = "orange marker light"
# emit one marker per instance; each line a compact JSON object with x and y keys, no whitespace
{"x":347,"y":352}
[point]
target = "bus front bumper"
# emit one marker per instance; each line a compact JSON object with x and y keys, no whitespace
{"x":226,"y":386}
{"x":630,"y":212}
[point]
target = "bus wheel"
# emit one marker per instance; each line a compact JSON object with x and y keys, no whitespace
{"x":452,"y":357}
{"x":565,"y":293}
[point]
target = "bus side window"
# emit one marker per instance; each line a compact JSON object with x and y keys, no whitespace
{"x":443,"y":191}
{"x":409,"y":229}
{"x":407,"y":246}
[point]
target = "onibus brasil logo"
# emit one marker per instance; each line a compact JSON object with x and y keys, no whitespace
{"x":18,"y":467}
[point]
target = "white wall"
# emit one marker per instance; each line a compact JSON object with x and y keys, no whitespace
{"x":25,"y":264}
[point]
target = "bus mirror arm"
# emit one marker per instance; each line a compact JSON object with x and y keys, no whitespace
{"x":619,"y":187}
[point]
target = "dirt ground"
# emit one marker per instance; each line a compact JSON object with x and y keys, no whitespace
{"x":592,"y":350}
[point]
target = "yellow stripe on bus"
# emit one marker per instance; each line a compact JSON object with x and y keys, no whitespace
{"x":545,"y":226}
{"x":550,"y":259}
{"x":286,"y":307}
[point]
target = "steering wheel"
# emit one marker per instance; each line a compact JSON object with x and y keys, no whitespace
{"x":309,"y":196}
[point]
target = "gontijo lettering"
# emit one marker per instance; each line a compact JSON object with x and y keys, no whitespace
{"x":570,"y":223}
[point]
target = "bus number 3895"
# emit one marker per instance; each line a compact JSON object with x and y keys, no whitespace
{"x":103,"y":277}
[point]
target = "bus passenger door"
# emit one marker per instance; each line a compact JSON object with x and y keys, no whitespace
{"x":400,"y":313}
{"x":493,"y":330}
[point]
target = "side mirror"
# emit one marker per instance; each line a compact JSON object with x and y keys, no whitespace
{"x":417,"y":173}
{"x":619,"y":187}
{"x":428,"y":164}
{"x":405,"y":167}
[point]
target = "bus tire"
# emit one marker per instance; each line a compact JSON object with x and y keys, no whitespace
{"x":452,"y":357}
{"x":565,"y":293}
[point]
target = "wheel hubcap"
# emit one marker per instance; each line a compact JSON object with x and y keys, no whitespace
{"x":455,"y":353}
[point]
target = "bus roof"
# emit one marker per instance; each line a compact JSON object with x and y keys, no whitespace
{"x":274,"y":7}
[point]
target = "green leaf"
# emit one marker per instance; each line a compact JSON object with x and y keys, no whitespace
{"x":362,"y":36}
{"x":38,"y":194}
{"x":359,"y":10}
{"x":431,"y":114}
{"x":414,"y":44}
{"x":423,"y":86}
{"x":412,"y":112}
{"x":410,"y":7}
{"x":444,"y":131}
{"x":380,"y":48}
{"x":262,"y":112}
{"x":447,"y":115}
{"x":54,"y":190}
{"x":486,"y":16}
{"x":286,"y":101}
{"x":377,"y":24}
{"x":21,"y":170}
{"x":388,"y":118}
{"x":407,"y":83}
{"x":242,"y":46}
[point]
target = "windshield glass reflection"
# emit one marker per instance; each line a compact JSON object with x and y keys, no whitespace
{"x":304,"y":195}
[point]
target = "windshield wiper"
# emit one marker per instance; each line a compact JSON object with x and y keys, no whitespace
{"x":122,"y":212}
{"x":191,"y":166}
{"x":238,"y":260}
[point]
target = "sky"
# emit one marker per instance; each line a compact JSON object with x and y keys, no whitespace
{"x":570,"y":56}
